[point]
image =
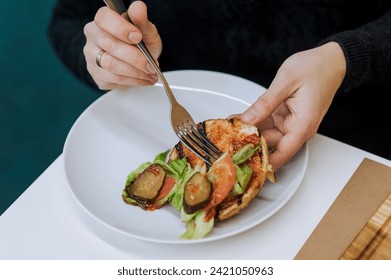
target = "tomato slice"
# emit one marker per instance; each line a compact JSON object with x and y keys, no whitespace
{"x":222,"y":175}
{"x":168,"y":184}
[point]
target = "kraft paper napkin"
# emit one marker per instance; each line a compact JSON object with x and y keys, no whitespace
{"x":360,"y":199}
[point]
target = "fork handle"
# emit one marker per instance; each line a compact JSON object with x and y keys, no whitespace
{"x":120,"y":8}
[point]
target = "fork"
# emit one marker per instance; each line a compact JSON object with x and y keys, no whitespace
{"x":181,"y":121}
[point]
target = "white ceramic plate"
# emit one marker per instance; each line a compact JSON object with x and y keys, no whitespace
{"x":121,"y":130}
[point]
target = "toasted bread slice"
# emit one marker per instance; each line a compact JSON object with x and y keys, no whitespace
{"x":229,"y":135}
{"x":261,"y":171}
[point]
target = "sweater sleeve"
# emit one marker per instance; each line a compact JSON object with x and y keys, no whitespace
{"x":66,"y":34}
{"x":367,"y":50}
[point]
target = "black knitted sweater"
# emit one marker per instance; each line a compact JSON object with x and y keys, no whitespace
{"x":252,"y":38}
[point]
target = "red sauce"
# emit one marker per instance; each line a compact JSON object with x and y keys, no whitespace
{"x":210,"y":214}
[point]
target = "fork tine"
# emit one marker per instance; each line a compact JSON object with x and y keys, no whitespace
{"x":194,"y":147}
{"x":197,"y":142}
{"x":204,"y":140}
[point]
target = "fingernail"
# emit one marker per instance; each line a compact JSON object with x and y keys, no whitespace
{"x":250,"y":115}
{"x":150,"y":68}
{"x":134,"y":37}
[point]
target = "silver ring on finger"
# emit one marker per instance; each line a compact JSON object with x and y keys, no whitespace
{"x":98,"y":58}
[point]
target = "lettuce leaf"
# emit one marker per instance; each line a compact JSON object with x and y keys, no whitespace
{"x":243,"y":177}
{"x":245,"y":153}
{"x":162,"y":156}
{"x":243,"y":171}
{"x":197,"y":227}
{"x":177,"y":199}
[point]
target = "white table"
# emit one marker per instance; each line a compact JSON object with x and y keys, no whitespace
{"x":45,"y":223}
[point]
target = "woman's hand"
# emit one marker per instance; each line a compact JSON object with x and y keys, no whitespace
{"x":292,"y":108}
{"x":121,"y":64}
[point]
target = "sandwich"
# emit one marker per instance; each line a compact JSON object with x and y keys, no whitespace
{"x":205,"y":194}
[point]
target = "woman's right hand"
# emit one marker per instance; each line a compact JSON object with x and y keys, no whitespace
{"x":122,"y":63}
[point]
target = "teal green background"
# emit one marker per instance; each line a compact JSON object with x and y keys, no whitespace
{"x":39,"y":98}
